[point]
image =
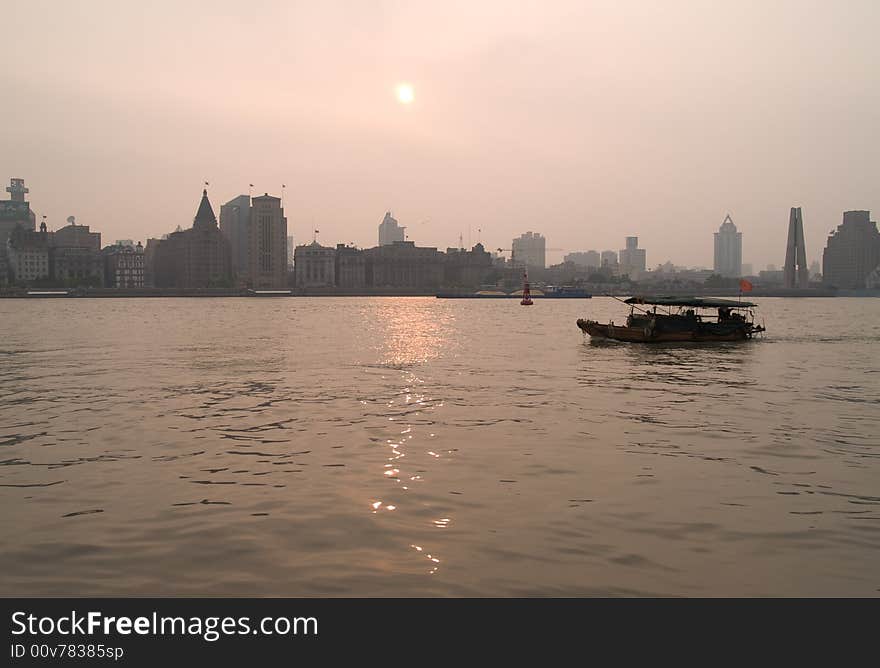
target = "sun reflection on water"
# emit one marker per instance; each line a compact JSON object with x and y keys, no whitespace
{"x":412,"y":334}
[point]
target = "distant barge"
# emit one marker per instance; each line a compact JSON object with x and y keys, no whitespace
{"x":564,"y":292}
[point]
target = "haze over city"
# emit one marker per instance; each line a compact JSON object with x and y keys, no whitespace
{"x":584,"y":121}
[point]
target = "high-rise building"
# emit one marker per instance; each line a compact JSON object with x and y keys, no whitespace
{"x":267,"y":244}
{"x":728,"y":250}
{"x":235,"y":218}
{"x":587,"y":259}
{"x":795,"y":272}
{"x":748,"y":269}
{"x":390,"y":231}
{"x":529,"y":250}
{"x":852,"y":253}
{"x":633,"y":260}
{"x":257,"y":232}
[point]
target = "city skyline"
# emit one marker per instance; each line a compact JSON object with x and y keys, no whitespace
{"x":512,"y":121}
{"x":554,"y":255}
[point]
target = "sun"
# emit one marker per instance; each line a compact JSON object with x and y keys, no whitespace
{"x":405,"y":93}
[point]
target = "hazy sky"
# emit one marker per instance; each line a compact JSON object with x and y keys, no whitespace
{"x":586,"y":121}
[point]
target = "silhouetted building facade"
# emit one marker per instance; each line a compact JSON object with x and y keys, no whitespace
{"x":795,"y":272}
{"x":124,"y":266}
{"x":404,"y":265}
{"x":315,"y":266}
{"x":852,"y":252}
{"x":13,"y":212}
{"x":389,"y":231}
{"x":728,"y":250}
{"x":350,"y":267}
{"x":530,"y":250}
{"x":466,"y":269}
{"x":75,"y":256}
{"x":28,"y":254}
{"x":199,"y":257}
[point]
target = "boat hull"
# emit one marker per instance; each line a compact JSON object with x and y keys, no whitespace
{"x":645,"y":335}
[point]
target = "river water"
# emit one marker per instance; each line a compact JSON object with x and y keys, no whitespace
{"x":422,"y":447}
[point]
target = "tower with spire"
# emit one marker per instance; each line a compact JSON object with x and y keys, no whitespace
{"x":199,"y":257}
{"x":205,"y":218}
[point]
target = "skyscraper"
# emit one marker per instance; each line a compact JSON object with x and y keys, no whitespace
{"x":390,"y":231}
{"x":530,"y":250}
{"x":633,"y":260}
{"x":852,"y":253}
{"x":267,"y":244}
{"x":728,"y":249}
{"x":795,"y":272}
{"x":235,"y":218}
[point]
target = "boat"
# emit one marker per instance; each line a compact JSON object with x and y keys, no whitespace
{"x":550,"y":292}
{"x":526,"y":297}
{"x":686,"y":319}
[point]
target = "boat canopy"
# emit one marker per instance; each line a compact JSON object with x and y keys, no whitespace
{"x":696,"y":302}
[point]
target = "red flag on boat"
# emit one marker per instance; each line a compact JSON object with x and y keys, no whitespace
{"x":744,"y":285}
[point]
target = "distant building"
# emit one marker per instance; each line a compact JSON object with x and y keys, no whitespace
{"x":13,"y":212}
{"x":852,"y":252}
{"x":815,"y":271}
{"x":75,"y":256}
{"x":728,"y":250}
{"x":633,"y":261}
{"x":530,"y":250}
{"x":587,"y":259}
{"x":748,"y":269}
{"x":466,"y":269}
{"x":389,"y":231}
{"x":199,"y":257}
{"x":771,"y":277}
{"x":150,"y":262}
{"x":350,"y":269}
{"x":235,"y":218}
{"x":404,"y":265}
{"x":290,"y":252}
{"x":795,"y":268}
{"x":609,"y":260}
{"x":124,"y":265}
{"x":267,"y":244}
{"x":28,"y":254}
{"x":315,"y":266}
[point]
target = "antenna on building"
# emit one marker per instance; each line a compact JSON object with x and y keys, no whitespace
{"x":283,"y":186}
{"x":250,"y":189}
{"x":460,"y":242}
